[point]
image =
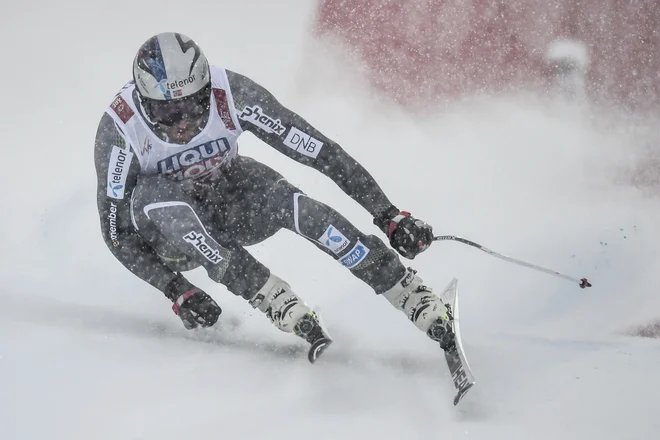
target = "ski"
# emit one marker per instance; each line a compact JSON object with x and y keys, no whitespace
{"x":456,"y":361}
{"x":317,"y":348}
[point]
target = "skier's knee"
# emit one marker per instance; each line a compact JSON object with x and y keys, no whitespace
{"x":280,"y":203}
{"x":366,"y":256}
{"x":417,"y":301}
{"x":283,"y":307}
{"x":311,"y":217}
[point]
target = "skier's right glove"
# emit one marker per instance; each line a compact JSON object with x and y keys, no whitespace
{"x":196,"y":308}
{"x":408,"y":235}
{"x":191,"y":304}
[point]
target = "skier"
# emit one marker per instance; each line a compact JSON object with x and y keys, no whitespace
{"x":174,"y":194}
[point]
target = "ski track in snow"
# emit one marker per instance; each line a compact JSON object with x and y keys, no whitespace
{"x":89,"y":351}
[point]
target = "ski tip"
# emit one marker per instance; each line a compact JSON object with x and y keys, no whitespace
{"x":318,"y":348}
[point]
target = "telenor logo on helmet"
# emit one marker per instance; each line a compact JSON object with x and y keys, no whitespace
{"x":167,"y":86}
{"x":163,"y":89}
{"x":171,"y":85}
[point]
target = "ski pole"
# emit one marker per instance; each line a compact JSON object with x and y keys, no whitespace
{"x":583,"y":282}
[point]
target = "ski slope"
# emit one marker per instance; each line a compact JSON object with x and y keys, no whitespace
{"x":88,"y":351}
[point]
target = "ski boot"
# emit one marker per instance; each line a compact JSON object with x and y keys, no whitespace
{"x":424,"y":308}
{"x":441,"y":331}
{"x":290,"y":314}
{"x":309,"y":328}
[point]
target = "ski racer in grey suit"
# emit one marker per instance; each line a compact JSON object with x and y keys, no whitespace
{"x":174,"y":194}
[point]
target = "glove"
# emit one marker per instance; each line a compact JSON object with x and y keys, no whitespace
{"x":191,"y":304}
{"x":408,"y":235}
{"x":196,"y":308}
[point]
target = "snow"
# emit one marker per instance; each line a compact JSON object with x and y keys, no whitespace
{"x":575,"y":51}
{"x":89,"y":351}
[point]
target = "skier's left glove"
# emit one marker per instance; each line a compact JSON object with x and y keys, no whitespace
{"x":196,"y":308}
{"x":408,"y":236}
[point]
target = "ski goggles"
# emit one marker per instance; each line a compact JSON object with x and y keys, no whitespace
{"x":191,"y":108}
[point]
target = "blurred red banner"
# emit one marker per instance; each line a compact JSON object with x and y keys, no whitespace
{"x":418,"y":51}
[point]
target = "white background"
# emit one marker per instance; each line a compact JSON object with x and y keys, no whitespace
{"x":88,"y":351}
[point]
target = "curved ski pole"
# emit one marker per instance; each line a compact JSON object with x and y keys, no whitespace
{"x":583,"y":282}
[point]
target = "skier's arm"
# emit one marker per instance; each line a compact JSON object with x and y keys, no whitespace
{"x":284,"y":130}
{"x":117,"y":229}
{"x":260,"y":113}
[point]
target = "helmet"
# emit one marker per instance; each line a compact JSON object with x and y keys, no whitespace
{"x":172,"y":78}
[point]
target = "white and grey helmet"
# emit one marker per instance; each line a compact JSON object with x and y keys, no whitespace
{"x":172,"y":77}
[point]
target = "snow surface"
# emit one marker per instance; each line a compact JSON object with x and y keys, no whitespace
{"x":88,"y":351}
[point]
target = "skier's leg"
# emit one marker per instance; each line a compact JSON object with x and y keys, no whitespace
{"x":273,"y":203}
{"x":248,"y":214}
{"x":367,"y":257}
{"x":162,"y":211}
{"x":424,"y":308}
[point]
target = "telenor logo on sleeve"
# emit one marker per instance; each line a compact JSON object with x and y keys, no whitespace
{"x":120,"y":161}
{"x":355,"y":256}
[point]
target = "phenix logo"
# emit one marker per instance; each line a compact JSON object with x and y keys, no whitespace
{"x":199,"y":242}
{"x":255,"y":115}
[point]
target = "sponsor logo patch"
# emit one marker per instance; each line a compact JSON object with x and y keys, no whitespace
{"x":199,"y":242}
{"x":196,"y":162}
{"x":112,"y":218}
{"x":223,"y":108}
{"x":334,"y":240}
{"x":173,"y":85}
{"x":146,"y":146}
{"x":122,"y":109}
{"x":120,"y":161}
{"x":256,"y":116}
{"x":355,"y":256}
{"x":303,"y":143}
